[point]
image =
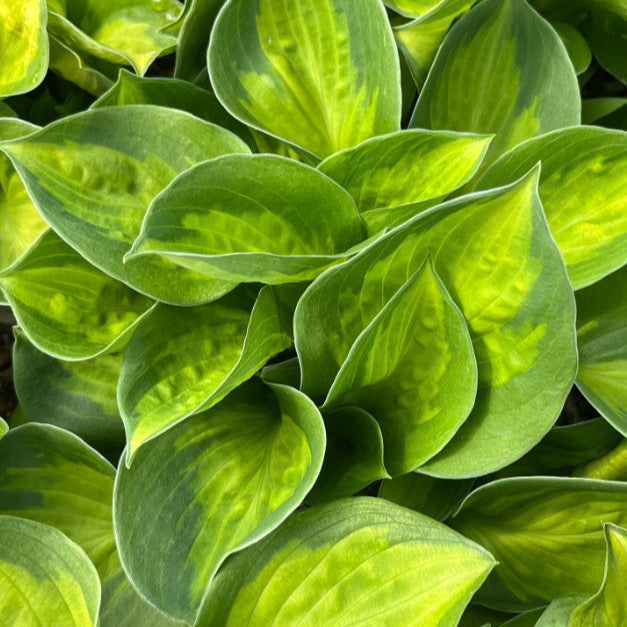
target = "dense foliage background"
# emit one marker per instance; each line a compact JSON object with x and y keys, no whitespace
{"x":313,"y":313}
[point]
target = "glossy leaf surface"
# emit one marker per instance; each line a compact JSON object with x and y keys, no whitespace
{"x":47,"y":579}
{"x":497,"y":260}
{"x":212,"y":485}
{"x":583,"y":187}
{"x":413,"y":369}
{"x":485,"y":78}
{"x":322,"y":75}
{"x":348,"y":563}
{"x":276,"y":221}
{"x":76,"y":395}
{"x":24,"y":45}
{"x":183,"y":360}
{"x":551,"y":527}
{"x":67,"y":307}
{"x":408,"y":166}
{"x":93,"y":175}
{"x":602,"y":342}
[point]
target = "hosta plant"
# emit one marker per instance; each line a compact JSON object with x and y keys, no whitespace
{"x":318,"y":313}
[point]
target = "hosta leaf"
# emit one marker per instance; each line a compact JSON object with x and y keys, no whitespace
{"x":354,"y":455}
{"x":436,"y":498}
{"x":168,"y":92}
{"x":20,"y":222}
{"x":602,"y":341}
{"x":352,"y":562}
{"x":407,"y":166}
{"x":4,"y":427}
{"x":414,"y":370}
{"x":46,"y":579}
{"x":494,"y":253}
{"x":77,"y":395}
{"x":116,"y":31}
{"x":322,"y":75}
{"x":612,"y":466}
{"x":67,"y":307}
{"x":485,"y":78}
{"x":420,"y":39}
{"x":49,"y":475}
{"x":93,"y":175}
{"x":24,"y":45}
{"x":583,"y":187}
{"x":565,"y":448}
{"x":211,"y":486}
{"x":183,"y":360}
{"x":606,"y":112}
{"x":606,"y":31}
{"x":191,"y":57}
{"x":546,"y":533}
{"x":607,"y":606}
{"x":411,"y":8}
{"x":276,"y":221}
{"x":576,"y":45}
{"x":557,"y":613}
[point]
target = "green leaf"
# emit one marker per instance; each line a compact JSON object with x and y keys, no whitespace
{"x":606,"y":112}
{"x":4,"y":428}
{"x":324,"y":76}
{"x":24,"y":45}
{"x":576,"y":46}
{"x":607,"y":606}
{"x":602,"y":342}
{"x":211,"y":486}
{"x":411,"y":8}
{"x":546,"y":533}
{"x":76,"y":395}
{"x":583,"y":190}
{"x":49,"y":475}
{"x":354,"y":455}
{"x":436,"y":498}
{"x":485,"y":78}
{"x":277,"y":221}
{"x":20,"y":222}
{"x":565,"y":448}
{"x":408,"y":166}
{"x":353,"y":562}
{"x":116,"y":31}
{"x":558,"y":612}
{"x":413,"y":369}
{"x":193,"y":40}
{"x":181,"y":361}
{"x":93,"y":186}
{"x":176,"y":94}
{"x":66,"y":306}
{"x":47,"y":579}
{"x":495,"y":255}
{"x":420,"y":39}
{"x":611,"y":467}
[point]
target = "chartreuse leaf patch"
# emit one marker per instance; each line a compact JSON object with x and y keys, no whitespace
{"x":183,"y":360}
{"x":49,"y":475}
{"x":353,"y":458}
{"x":545,"y":532}
{"x":583,"y":187}
{"x":602,"y":341}
{"x":47,"y":580}
{"x":4,"y":427}
{"x":611,"y":466}
{"x":607,"y":606}
{"x":117,"y":31}
{"x":92,"y":176}
{"x":408,"y":166}
{"x":485,"y":80}
{"x":20,"y":222}
{"x":212,"y":485}
{"x":494,"y":253}
{"x":352,"y":562}
{"x":414,"y":370}
{"x":67,"y":307}
{"x":323,"y":74}
{"x":77,"y":395}
{"x":420,"y":39}
{"x":24,"y":45}
{"x":411,"y":8}
{"x":248,"y":218}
